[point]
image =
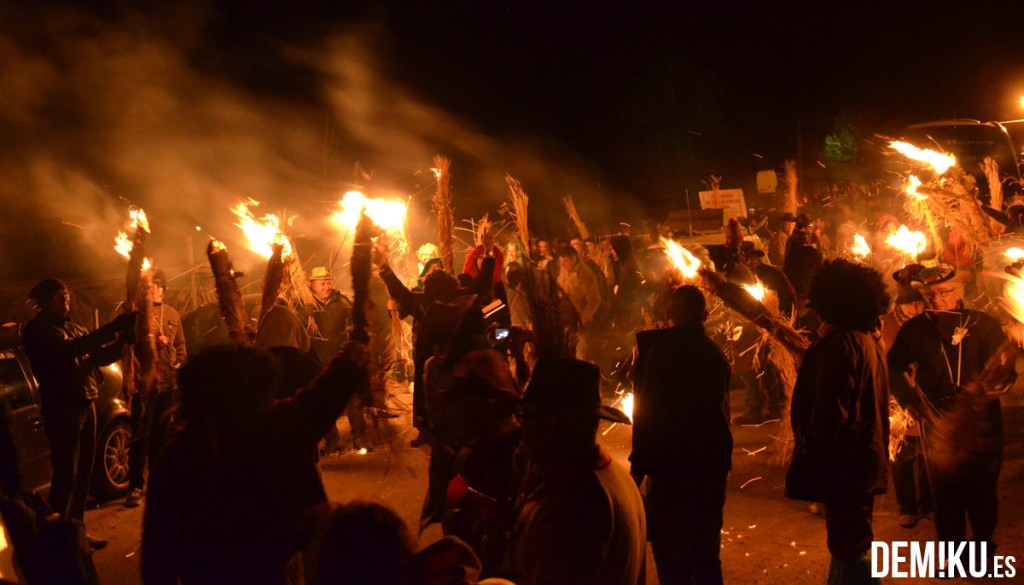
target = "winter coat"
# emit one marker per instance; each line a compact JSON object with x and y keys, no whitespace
{"x":64,"y":357}
{"x":840,"y":417}
{"x":171,"y":353}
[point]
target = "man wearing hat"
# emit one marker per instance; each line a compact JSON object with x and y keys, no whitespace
{"x":64,"y":358}
{"x":331,"y":315}
{"x":934,"y":356}
{"x":151,"y":413}
{"x":908,"y":470}
{"x":779,"y":240}
{"x":581,"y":518}
{"x":682,"y":441}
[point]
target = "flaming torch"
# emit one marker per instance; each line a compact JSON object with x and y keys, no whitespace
{"x":936,"y":160}
{"x":444,"y":212}
{"x":861,"y":250}
{"x":229,"y":298}
{"x":685,"y":263}
{"x":263,"y":235}
{"x":910,"y":243}
{"x":137,"y":283}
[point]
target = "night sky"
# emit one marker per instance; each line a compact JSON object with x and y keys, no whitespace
{"x":183,"y":107}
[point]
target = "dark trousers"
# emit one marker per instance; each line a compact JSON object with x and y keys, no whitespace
{"x":967,"y":494}
{"x":910,"y":478}
{"x":71,"y":430}
{"x":685,"y":527}
{"x":848,"y":522}
{"x":151,"y":428}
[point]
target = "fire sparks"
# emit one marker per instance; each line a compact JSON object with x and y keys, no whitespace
{"x":911,"y":188}
{"x":911,"y":243}
{"x":682,"y":260}
{"x":626,"y":405}
{"x":937,"y":160}
{"x":755,"y":290}
{"x":261,"y":233}
{"x":860,"y":249}
{"x":387,"y":214}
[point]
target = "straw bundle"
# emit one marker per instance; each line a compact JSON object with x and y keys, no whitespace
{"x":229,"y":298}
{"x":899,"y":422}
{"x":444,"y":212}
{"x":518,"y":206}
{"x":550,"y":314}
{"x":953,"y":201}
{"x":362,"y":255}
{"x":301,"y":291}
{"x":791,"y":180}
{"x":739,"y":300}
{"x":967,"y":430}
{"x":273,"y":280}
{"x":133,"y":279}
{"x":570,"y":207}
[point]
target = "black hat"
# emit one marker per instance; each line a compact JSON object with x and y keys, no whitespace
{"x":788,"y":217}
{"x":560,"y":384}
{"x":45,"y":289}
{"x":160,"y":279}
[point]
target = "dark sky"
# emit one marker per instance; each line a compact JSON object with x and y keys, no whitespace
{"x":185,"y":107}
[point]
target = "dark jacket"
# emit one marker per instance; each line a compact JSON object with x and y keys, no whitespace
{"x":64,"y":358}
{"x":236,"y":517}
{"x":172,"y":353}
{"x":840,"y":417}
{"x":681,"y":405}
{"x":331,"y":318}
{"x":928,"y":340}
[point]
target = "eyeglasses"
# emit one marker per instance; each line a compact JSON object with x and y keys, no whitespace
{"x":939,"y":292}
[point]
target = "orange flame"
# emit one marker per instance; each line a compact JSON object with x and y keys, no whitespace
{"x":685,"y":262}
{"x":911,"y":243}
{"x":860,"y":248}
{"x":387,"y":214}
{"x":911,"y":188}
{"x":755,"y":290}
{"x":261,"y":233}
{"x":1013,"y":297}
{"x":937,"y":160}
{"x":124,"y":246}
{"x":139,"y":219}
{"x":1014,"y":254}
{"x":626,"y":405}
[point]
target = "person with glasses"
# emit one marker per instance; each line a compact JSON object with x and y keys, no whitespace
{"x":934,"y":356}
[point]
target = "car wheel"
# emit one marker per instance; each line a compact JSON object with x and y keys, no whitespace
{"x":110,"y":476}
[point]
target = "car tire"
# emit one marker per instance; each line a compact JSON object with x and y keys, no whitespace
{"x":110,"y":475}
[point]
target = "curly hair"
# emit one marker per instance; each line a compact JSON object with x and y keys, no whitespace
{"x":848,"y":295}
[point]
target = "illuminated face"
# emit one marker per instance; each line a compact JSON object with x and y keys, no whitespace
{"x":543,"y":248}
{"x":911,"y":310}
{"x":788,"y":227}
{"x":156,"y":293}
{"x":591,"y":248}
{"x":512,"y":253}
{"x":944,"y":296}
{"x":321,"y":288}
{"x":577,"y":245}
{"x":566,"y":262}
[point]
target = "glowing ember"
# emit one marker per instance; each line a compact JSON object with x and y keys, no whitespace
{"x":1014,"y":254}
{"x":437,"y":173}
{"x":626,"y":404}
{"x":938,"y":161}
{"x":911,"y":188}
{"x":908,"y":242}
{"x":218,"y":246}
{"x":362,"y":451}
{"x":755,"y":290}
{"x":860,"y":249}
{"x":387,"y":214}
{"x":685,"y":262}
{"x":261,"y":233}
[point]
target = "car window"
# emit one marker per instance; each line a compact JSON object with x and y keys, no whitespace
{"x":13,"y":388}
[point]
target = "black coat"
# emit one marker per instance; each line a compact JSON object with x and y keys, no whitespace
{"x":840,"y":417}
{"x":681,"y":405}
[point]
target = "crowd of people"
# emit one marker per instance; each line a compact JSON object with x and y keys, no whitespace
{"x":513,"y":362}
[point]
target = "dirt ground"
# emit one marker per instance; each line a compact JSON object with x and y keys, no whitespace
{"x":766,"y":539}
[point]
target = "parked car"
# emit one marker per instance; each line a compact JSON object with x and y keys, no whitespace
{"x":20,"y":391}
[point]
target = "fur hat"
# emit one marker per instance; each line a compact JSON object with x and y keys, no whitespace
{"x":733,"y":234}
